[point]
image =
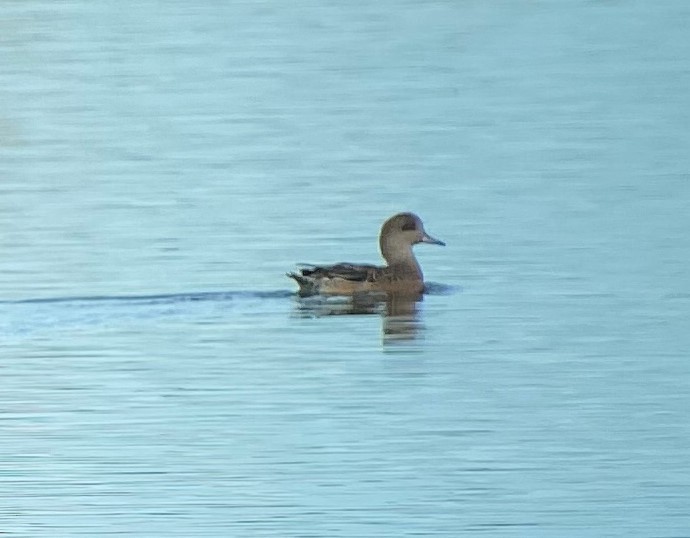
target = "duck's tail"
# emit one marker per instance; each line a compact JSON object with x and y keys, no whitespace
{"x":307,"y":285}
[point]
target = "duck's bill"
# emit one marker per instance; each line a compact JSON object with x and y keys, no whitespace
{"x":432,"y":240}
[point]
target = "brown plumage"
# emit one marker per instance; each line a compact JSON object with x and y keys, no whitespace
{"x":401,"y":274}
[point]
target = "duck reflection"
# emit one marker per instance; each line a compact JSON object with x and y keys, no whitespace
{"x":400,"y":319}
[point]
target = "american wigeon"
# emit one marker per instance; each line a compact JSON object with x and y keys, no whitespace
{"x":401,"y":275}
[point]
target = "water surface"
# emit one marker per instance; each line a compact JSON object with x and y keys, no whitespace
{"x":163,"y":165}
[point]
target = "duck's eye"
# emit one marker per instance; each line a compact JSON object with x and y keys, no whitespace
{"x":409,"y":225}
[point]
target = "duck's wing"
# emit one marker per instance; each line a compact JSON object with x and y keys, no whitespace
{"x":346,"y":271}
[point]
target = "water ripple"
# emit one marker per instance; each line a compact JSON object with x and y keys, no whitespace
{"x":157,"y":298}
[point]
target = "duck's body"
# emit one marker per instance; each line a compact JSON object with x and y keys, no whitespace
{"x":351,"y":279}
{"x":401,"y":275}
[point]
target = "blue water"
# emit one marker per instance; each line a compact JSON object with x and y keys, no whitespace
{"x":163,"y":164}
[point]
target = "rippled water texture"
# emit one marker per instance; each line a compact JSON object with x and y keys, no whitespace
{"x":164,"y":164}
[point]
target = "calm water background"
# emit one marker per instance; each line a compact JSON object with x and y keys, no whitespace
{"x":163,"y":164}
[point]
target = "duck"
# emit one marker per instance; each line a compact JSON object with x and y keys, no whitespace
{"x":401,"y":275}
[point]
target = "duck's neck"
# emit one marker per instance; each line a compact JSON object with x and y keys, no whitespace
{"x":399,"y":255}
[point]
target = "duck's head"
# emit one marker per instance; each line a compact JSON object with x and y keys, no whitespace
{"x":399,"y":233}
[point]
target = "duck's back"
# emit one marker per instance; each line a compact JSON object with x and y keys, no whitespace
{"x":350,"y":279}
